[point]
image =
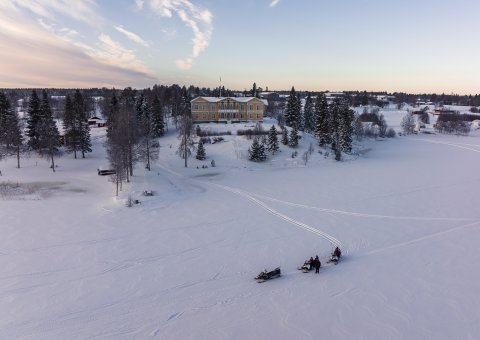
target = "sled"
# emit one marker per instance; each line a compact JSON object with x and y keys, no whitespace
{"x":267,"y":275}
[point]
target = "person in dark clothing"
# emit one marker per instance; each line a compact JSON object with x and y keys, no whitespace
{"x":311,"y":262}
{"x":337,"y":253}
{"x":318,"y":264}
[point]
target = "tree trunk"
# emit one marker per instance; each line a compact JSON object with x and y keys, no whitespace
{"x":130,"y":160}
{"x":148,"y":154}
{"x":75,"y":153}
{"x":53,"y":163}
{"x":18,"y":156}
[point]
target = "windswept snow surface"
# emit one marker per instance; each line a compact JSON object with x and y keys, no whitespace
{"x":78,"y":264}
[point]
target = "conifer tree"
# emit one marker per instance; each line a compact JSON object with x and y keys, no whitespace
{"x":257,"y":151}
{"x":335,"y":115}
{"x":71,"y":128}
{"x":10,"y":133}
{"x":272,"y":144}
{"x":300,"y":117}
{"x":158,"y":125}
{"x":293,"y":140}
{"x":285,"y":136}
{"x":85,"y":141}
{"x":323,"y":121}
{"x":48,"y":135}
{"x":33,"y":112}
{"x":201,"y":155}
{"x":292,"y":112}
{"x":309,"y":114}
{"x":345,"y":127}
{"x":81,"y":123}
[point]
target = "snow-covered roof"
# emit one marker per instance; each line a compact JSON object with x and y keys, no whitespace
{"x":237,"y":99}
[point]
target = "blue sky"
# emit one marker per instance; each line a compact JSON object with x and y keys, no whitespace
{"x":413,"y":46}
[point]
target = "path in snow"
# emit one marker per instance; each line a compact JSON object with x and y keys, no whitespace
{"x":465,"y":146}
{"x":261,"y":204}
{"x":350,"y":213}
{"x":419,"y":239}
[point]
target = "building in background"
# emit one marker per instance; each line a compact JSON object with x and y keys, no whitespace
{"x":228,"y":109}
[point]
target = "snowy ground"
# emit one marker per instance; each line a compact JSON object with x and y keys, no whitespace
{"x":77,"y":264}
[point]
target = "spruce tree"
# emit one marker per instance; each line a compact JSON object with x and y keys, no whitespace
{"x":48,"y":135}
{"x":323,"y":121}
{"x":257,"y":151}
{"x":200,"y":152}
{"x":71,"y":128}
{"x":272,"y":144}
{"x":33,"y":112}
{"x":309,"y":114}
{"x":285,"y":136}
{"x":10,"y":133}
{"x":292,"y":111}
{"x":4,"y":112}
{"x":158,"y":125}
{"x":81,"y":123}
{"x":300,"y":118}
{"x":346,"y":126}
{"x":85,"y":141}
{"x":336,"y":137}
{"x":293,"y":142}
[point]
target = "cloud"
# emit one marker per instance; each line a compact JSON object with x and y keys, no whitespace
{"x":132,"y":36}
{"x":112,"y":52}
{"x":139,"y":4}
{"x":34,"y":57}
{"x":184,"y":64}
{"x":84,"y":11}
{"x":197,"y":19}
{"x":274,"y":3}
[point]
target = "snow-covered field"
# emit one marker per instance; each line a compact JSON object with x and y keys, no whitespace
{"x":78,"y":264}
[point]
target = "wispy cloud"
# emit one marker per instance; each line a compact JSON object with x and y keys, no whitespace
{"x":84,"y":11}
{"x":113,"y":53}
{"x":274,"y":3}
{"x":132,"y":36}
{"x":55,"y":56}
{"x":197,"y":19}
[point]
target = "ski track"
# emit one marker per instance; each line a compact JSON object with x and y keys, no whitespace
{"x":304,"y":226}
{"x":416,"y":240}
{"x":261,"y":204}
{"x":456,"y":145}
{"x":350,"y":213}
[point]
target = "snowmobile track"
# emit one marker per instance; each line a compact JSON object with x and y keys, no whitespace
{"x":307,"y":227}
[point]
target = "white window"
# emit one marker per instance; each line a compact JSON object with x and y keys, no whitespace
{"x":203,"y":107}
{"x":251,"y":107}
{"x":204,"y":116}
{"x":251,"y":116}
{"x":195,"y":107}
{"x":257,"y":108}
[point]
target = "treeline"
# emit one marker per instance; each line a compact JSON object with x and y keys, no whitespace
{"x":332,"y":124}
{"x":454,"y":123}
{"x":41,"y":131}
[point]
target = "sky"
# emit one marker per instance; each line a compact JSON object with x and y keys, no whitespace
{"x":375,"y":45}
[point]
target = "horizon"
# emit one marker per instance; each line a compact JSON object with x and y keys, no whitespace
{"x":411,"y":48}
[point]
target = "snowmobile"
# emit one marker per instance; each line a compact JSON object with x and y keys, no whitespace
{"x":335,"y":256}
{"x":333,"y":259}
{"x":306,"y":267}
{"x":267,"y":275}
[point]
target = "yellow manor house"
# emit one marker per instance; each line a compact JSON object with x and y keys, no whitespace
{"x":228,"y":109}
